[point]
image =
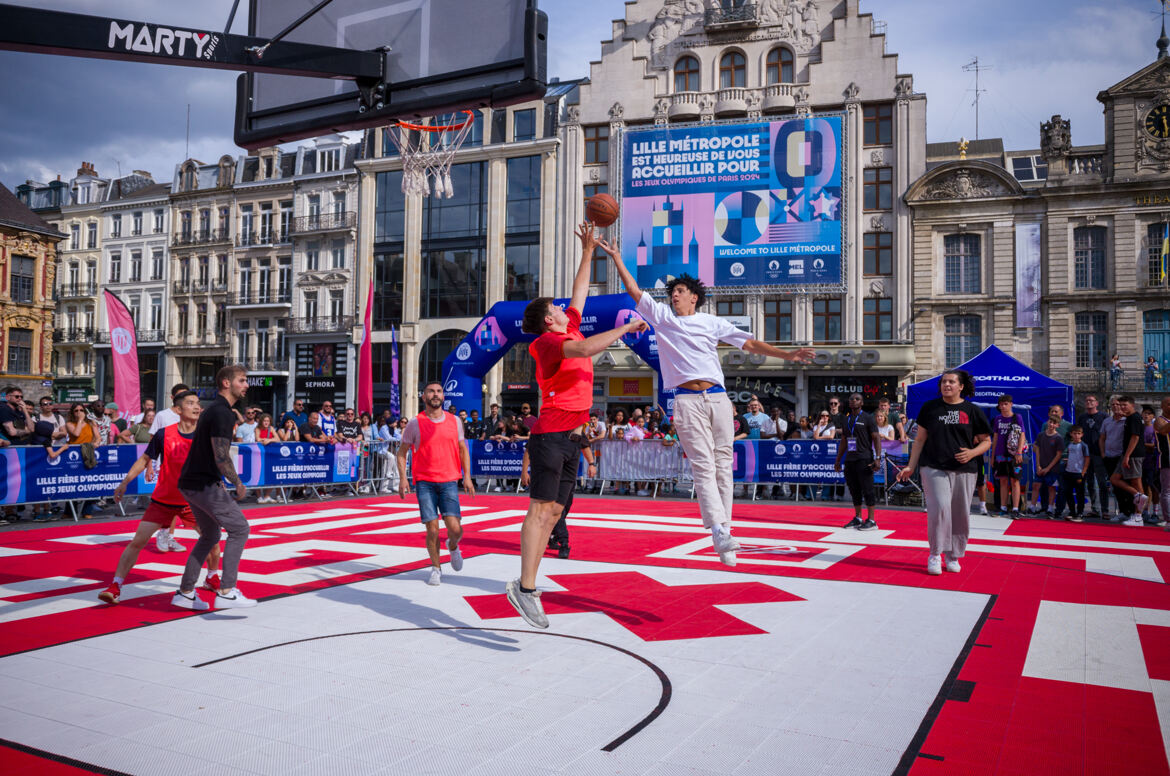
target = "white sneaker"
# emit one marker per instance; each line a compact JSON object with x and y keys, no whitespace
{"x":982,"y":508}
{"x":953,"y":566}
{"x":192,"y":601}
{"x":233,"y":600}
{"x":643,"y":492}
{"x":727,"y":558}
{"x":456,"y":558}
{"x":934,"y":565}
{"x":724,"y":542}
{"x":436,"y":576}
{"x":162,"y":540}
{"x":1140,"y":502}
{"x":1135,"y":521}
{"x":173,"y":544}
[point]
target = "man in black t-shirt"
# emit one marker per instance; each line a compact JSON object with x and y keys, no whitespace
{"x":349,"y":430}
{"x":1128,"y":476}
{"x":860,"y":448}
{"x":1097,"y":481}
{"x":208,"y":464}
{"x":14,"y":417}
{"x":311,"y":431}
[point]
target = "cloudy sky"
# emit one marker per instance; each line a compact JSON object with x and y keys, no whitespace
{"x":1046,"y":57}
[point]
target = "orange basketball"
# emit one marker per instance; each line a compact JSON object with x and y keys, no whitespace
{"x":602,"y":209}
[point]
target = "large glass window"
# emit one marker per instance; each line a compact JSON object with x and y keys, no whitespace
{"x":779,"y":66}
{"x":878,"y":188}
{"x":778,"y":320}
{"x":523,"y":272}
{"x":686,"y":75}
{"x":524,"y":124}
{"x":1092,"y":339}
{"x":963,"y":338}
{"x":599,"y":267}
{"x":878,"y":124}
{"x":20,"y":351}
{"x":878,"y":253}
{"x":1089,"y":257}
{"x":878,"y":322}
{"x":1157,"y":266}
{"x":388,"y":289}
{"x":962,"y":259}
{"x":732,"y":70}
{"x":464,"y":214}
{"x":523,"y":209}
{"x":597,"y":144}
{"x":115,"y":268}
{"x":24,"y":271}
{"x":389,"y":207}
{"x":453,"y":282}
{"x":827,"y":320}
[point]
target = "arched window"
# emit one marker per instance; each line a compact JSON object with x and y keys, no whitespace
{"x":732,"y":70}
{"x":964,"y":338}
{"x":779,"y":66}
{"x":188,"y":181}
{"x":686,"y":75}
{"x":430,"y":360}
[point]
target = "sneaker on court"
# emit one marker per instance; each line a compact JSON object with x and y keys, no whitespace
{"x":436,"y":576}
{"x":1076,"y":518}
{"x":1014,"y":514}
{"x":934,"y":565}
{"x":111,"y":594}
{"x":953,"y":565}
{"x":192,"y":601}
{"x":982,"y":508}
{"x":526,"y":604}
{"x":1135,"y":520}
{"x":869,"y":525}
{"x":174,"y":544}
{"x":456,"y":557}
{"x":563,"y":551}
{"x":727,"y":558}
{"x":1140,"y":502}
{"x":236,"y":600}
{"x":854,"y":523}
{"x":161,"y":540}
{"x":211,"y":583}
{"x":724,"y":542}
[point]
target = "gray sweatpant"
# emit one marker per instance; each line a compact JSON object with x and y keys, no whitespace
{"x":214,"y":508}
{"x":948,"y":509}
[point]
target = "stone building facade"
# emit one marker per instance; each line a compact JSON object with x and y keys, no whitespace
{"x":1053,"y":254}
{"x":681,"y":61}
{"x":28,"y":255}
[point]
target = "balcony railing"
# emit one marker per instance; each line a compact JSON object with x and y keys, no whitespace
{"x":325,"y":323}
{"x":144,"y":335}
{"x":217,"y":340}
{"x":260,"y":237}
{"x":1087,"y":164}
{"x":1132,"y":381}
{"x":747,"y":15}
{"x":260,"y":364}
{"x":324,"y":222}
{"x":75,"y":290}
{"x":258,"y":298}
{"x":77,"y":336}
{"x":201,"y":237}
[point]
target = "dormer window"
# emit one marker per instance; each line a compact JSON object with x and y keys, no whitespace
{"x":187,"y":179}
{"x":328,"y":160}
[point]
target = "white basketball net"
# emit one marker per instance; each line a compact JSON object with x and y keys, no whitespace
{"x":427,"y":152}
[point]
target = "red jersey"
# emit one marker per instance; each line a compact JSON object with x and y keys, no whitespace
{"x":435,"y":448}
{"x":172,"y":446}
{"x":566,"y":384}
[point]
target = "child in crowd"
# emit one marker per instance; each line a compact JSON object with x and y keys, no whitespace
{"x":1049,"y":450}
{"x":1076,"y":467}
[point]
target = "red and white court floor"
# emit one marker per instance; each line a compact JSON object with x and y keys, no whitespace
{"x":824,"y":651}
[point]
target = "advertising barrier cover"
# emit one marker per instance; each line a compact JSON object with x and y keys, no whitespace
{"x":734,"y":204}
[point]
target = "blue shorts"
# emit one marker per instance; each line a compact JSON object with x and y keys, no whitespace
{"x":1052,"y":479}
{"x":437,"y":498}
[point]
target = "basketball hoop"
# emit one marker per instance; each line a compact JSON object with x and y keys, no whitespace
{"x":427,"y":151}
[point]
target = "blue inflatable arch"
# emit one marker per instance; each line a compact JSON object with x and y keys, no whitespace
{"x":465,"y":367}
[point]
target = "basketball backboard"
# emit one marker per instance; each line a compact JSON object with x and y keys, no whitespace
{"x":441,"y":55}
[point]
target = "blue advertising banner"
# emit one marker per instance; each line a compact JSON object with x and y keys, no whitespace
{"x":496,"y":459}
{"x":32,"y":476}
{"x":295,"y":463}
{"x":734,"y":204}
{"x":797,"y":461}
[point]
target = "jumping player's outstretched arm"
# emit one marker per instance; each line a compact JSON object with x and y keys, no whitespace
{"x":803,"y":355}
{"x":588,"y":240}
{"x":587,"y":348}
{"x":627,"y":278}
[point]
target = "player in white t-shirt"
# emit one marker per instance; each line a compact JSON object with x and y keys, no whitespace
{"x":703,"y":415}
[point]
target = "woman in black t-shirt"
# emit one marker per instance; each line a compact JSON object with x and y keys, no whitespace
{"x":953,"y":434}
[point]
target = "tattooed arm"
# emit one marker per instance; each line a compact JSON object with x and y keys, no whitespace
{"x":227,"y":467}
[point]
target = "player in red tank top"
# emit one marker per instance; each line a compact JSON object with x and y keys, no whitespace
{"x":172,"y":444}
{"x":564,"y":372}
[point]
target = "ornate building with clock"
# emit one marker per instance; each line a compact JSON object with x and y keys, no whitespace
{"x":1055,"y":254}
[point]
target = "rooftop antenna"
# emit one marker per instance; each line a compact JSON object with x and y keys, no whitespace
{"x":1163,"y":41}
{"x":974,"y":65}
{"x":187,"y":148}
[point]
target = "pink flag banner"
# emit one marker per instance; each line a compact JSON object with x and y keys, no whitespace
{"x":124,"y":355}
{"x":395,"y":403}
{"x":365,"y":393}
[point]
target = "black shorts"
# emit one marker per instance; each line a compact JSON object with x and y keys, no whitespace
{"x":554,"y":459}
{"x":1006,"y":470}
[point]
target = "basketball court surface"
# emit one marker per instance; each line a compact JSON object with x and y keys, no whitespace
{"x":824,"y":651}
